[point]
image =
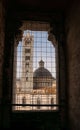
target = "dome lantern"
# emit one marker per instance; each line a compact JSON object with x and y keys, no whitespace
{"x":41,"y":63}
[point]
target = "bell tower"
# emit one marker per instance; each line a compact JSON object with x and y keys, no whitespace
{"x":27,"y":62}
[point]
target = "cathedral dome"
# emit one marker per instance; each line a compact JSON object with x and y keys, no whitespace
{"x":42,"y":77}
{"x":41,"y":72}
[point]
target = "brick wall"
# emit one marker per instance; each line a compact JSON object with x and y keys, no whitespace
{"x":73,"y":62}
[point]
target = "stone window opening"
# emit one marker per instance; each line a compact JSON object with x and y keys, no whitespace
{"x":40,"y":65}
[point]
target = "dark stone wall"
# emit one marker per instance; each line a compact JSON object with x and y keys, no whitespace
{"x":2,"y":37}
{"x":73,"y":64}
{"x":73,"y":69}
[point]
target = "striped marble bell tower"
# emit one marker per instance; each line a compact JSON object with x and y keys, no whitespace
{"x":27,"y":62}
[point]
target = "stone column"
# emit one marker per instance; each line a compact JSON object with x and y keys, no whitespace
{"x":52,"y":38}
{"x":7,"y":78}
{"x":57,"y":31}
{"x":18,"y":38}
{"x":62,"y":83}
{"x":10,"y":32}
{"x":7,"y":62}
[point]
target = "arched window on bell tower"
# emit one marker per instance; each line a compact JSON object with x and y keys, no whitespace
{"x":38,"y":103}
{"x":52,"y":102}
{"x":23,"y":100}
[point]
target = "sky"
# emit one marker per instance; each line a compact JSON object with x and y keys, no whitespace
{"x":43,"y":49}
